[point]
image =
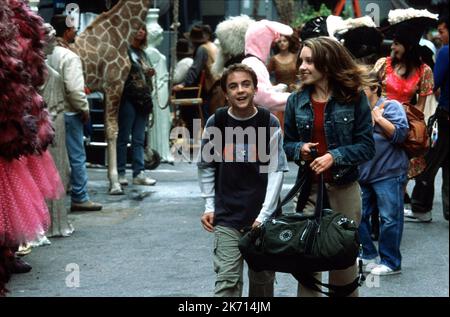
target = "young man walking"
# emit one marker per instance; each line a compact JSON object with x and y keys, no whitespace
{"x":240,"y":169}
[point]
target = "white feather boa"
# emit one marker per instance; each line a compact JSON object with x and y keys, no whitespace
{"x":400,"y":15}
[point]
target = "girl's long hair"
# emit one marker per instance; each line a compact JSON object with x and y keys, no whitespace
{"x":345,"y":77}
{"x":411,"y":58}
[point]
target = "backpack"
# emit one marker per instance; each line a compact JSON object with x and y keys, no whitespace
{"x":416,"y":143}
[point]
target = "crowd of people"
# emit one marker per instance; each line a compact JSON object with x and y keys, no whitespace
{"x":347,"y":104}
{"x":317,"y":92}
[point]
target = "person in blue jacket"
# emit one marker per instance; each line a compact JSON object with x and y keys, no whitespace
{"x":330,"y":113}
{"x":382,"y":181}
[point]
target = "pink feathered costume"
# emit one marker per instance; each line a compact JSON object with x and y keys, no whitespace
{"x":27,"y":172}
{"x":258,"y":41}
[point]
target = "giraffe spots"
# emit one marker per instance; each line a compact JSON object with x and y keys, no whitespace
{"x":126,"y":15}
{"x":124,"y":30}
{"x":107,"y":25}
{"x":115,"y":38}
{"x":106,"y":38}
{"x":99,"y":31}
{"x":116,"y":20}
{"x":121,"y":61}
{"x":123,"y":48}
{"x":113,"y":70}
{"x":111,"y":54}
{"x":92,"y":56}
{"x":92,"y":41}
{"x":135,"y":23}
{"x":135,"y":8}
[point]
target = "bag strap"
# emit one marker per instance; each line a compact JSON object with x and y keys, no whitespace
{"x":300,"y":184}
{"x":319,"y":200}
{"x":309,"y":281}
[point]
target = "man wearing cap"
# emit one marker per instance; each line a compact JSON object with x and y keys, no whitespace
{"x":437,"y":156}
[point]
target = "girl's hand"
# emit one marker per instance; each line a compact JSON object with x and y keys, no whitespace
{"x":322,"y":163}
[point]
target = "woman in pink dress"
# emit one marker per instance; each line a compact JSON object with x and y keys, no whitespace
{"x":27,"y":173}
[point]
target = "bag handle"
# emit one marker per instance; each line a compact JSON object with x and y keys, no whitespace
{"x":319,"y":201}
{"x":298,"y":186}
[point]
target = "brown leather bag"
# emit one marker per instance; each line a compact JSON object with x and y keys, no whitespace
{"x":416,"y":143}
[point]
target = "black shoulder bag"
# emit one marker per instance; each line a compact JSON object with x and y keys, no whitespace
{"x":301,"y":245}
{"x":138,"y":86}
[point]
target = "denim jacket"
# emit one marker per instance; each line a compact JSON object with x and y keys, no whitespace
{"x":348,"y":132}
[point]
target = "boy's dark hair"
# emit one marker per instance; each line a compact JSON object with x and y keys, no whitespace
{"x":59,"y":23}
{"x":237,"y":68}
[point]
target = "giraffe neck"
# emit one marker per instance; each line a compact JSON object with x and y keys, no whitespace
{"x":103,"y":46}
{"x":123,"y":19}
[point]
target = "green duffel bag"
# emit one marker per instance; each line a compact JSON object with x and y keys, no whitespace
{"x":295,"y":243}
{"x":301,"y":245}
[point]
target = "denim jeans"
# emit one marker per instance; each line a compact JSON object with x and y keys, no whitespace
{"x":134,"y":123}
{"x":77,"y":157}
{"x":387,"y":195}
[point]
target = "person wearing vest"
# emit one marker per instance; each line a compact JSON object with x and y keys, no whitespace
{"x":240,"y":179}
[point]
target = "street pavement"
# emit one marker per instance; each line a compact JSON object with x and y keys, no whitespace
{"x":150,"y":243}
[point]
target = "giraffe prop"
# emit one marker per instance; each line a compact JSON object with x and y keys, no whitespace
{"x":102,"y":48}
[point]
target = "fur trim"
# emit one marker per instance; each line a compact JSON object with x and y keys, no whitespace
{"x":334,"y":25}
{"x":350,"y":24}
{"x":231,"y":36}
{"x":400,"y":15}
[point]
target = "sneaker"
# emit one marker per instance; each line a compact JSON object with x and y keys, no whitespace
{"x":382,"y":269}
{"x":86,"y":206}
{"x":411,"y":216}
{"x":123,"y":180}
{"x":142,"y":179}
{"x":368,"y":265}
